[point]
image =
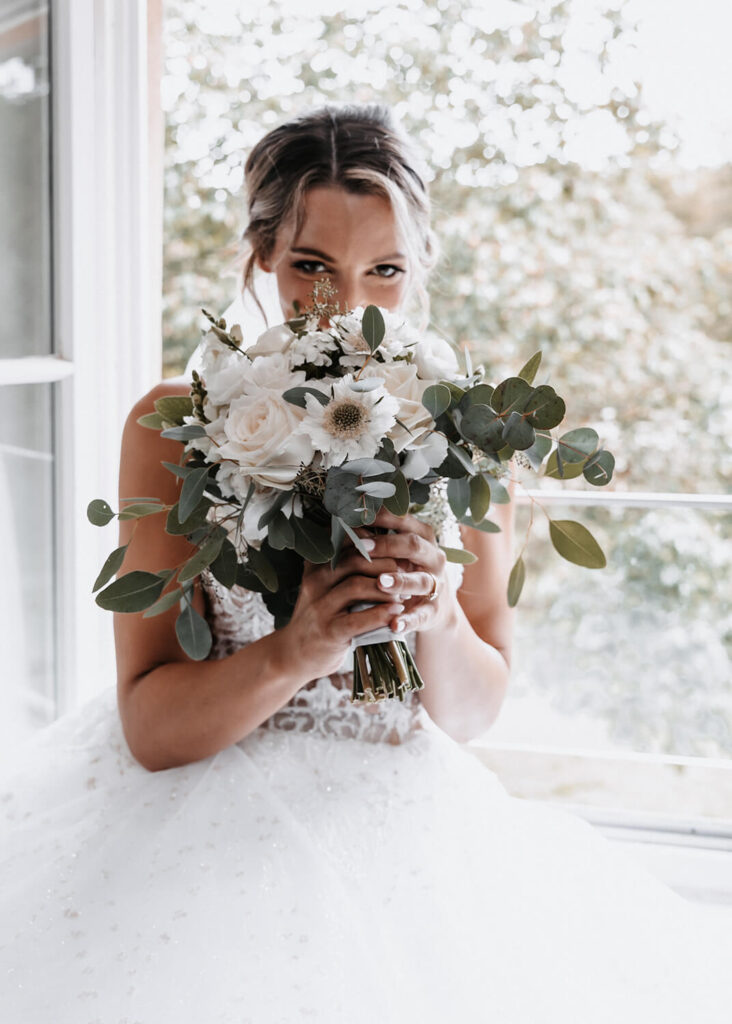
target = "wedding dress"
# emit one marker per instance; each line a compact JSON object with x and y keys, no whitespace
{"x":341,"y":864}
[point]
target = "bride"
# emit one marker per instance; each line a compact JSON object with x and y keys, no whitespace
{"x":232,"y":841}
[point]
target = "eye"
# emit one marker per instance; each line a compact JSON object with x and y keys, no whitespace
{"x":310,"y":266}
{"x":387,"y":270}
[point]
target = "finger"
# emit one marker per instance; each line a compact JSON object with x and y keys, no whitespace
{"x":352,"y":564}
{"x":354,"y":590}
{"x":410,"y":547}
{"x":346,"y":625}
{"x":408,"y":584}
{"x":408,"y":524}
{"x":417,"y":617}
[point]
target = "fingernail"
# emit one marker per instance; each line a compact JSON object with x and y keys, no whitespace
{"x":386,"y":581}
{"x":396,"y":608}
{"x":368,"y":544}
{"x":399,"y":628}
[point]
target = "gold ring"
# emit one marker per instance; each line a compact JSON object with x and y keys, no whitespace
{"x":432,"y":596}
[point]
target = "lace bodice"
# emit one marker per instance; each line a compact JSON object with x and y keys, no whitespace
{"x":238,"y":617}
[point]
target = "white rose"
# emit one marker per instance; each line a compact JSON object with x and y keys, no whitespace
{"x":271,"y":373}
{"x":428,"y":453}
{"x":276,"y":339}
{"x":436,"y":359}
{"x":401,"y":381}
{"x":222,"y":370}
{"x":259,"y":435}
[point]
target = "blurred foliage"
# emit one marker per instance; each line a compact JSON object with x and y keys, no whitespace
{"x":565,"y":225}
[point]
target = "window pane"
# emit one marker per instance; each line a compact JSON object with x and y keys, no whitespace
{"x":24,"y":179}
{"x":633,"y":657}
{"x":26,"y":526}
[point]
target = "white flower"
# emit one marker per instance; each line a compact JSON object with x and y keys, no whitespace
{"x":401,"y":381}
{"x":314,"y":347}
{"x":276,"y":339}
{"x":436,"y":359}
{"x":261,"y":501}
{"x":271,"y":373}
{"x":352,"y":425}
{"x":222,"y":370}
{"x":259,"y":432}
{"x":399,"y":337}
{"x":428,"y":453}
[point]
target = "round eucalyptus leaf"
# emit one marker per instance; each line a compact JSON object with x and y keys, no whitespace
{"x":516,"y":582}
{"x":576,"y":445}
{"x":194,"y":634}
{"x":296,"y":396}
{"x":538,"y":451}
{"x":479,"y":394}
{"x":368,"y":384}
{"x":366,"y":467}
{"x":377,"y":488}
{"x":132,"y":592}
{"x":436,"y":399}
{"x":511,"y":394}
{"x":598,"y":470}
{"x":518,"y":432}
{"x":574,"y":542}
{"x":373,"y":327}
{"x":481,"y":426}
{"x":545,"y":408}
{"x":98,"y":512}
{"x":569,"y":470}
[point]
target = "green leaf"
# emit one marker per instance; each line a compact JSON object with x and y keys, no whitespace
{"x":197,"y":518}
{"x":459,"y":555}
{"x":480,"y":497}
{"x":205,"y":555}
{"x":518,"y":432}
{"x":281,"y":534}
{"x":479,"y":394}
{"x":178,"y":470}
{"x":311,"y":541}
{"x":277,"y":505}
{"x":574,"y":542}
{"x":483,"y":427}
{"x":337,"y":536}
{"x":173,"y":408}
{"x":598,"y":470}
{"x":146,"y":508}
{"x":341,"y":497}
{"x":458,"y":495}
{"x":296,"y":396}
{"x":194,"y":634}
{"x":528,"y":370}
{"x":538,"y":451}
{"x":151,"y":420}
{"x":373,"y":327}
{"x":192,"y":491}
{"x":398,"y":503}
{"x":511,"y":394}
{"x":461,"y":459}
{"x":516,"y":581}
{"x":377,"y":489}
{"x":132,"y":592}
{"x":225,"y":564}
{"x":545,"y":408}
{"x":499,"y":493}
{"x":98,"y":512}
{"x":568,"y":471}
{"x":368,"y":384}
{"x":367,"y":467}
{"x":436,"y":399}
{"x":576,"y":445}
{"x":485,"y":525}
{"x":110,"y":567}
{"x":357,"y":541}
{"x":263,"y":569}
{"x":185,"y":433}
{"x":164,"y":603}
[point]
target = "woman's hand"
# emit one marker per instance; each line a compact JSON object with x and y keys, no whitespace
{"x":420,"y":571}
{"x":318,"y":636}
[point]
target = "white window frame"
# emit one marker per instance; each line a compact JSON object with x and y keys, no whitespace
{"x":106,"y":286}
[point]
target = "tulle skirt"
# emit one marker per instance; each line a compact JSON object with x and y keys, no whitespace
{"x":298,"y":877}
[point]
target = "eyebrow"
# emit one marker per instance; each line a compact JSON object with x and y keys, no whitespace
{"x":307,"y":251}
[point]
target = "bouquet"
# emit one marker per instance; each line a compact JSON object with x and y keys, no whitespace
{"x":293,"y":444}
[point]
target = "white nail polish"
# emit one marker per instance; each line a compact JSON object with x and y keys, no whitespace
{"x":368,"y":543}
{"x":399,"y":626}
{"x":386,"y":581}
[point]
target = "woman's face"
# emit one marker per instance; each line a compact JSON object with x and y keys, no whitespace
{"x":349,"y":239}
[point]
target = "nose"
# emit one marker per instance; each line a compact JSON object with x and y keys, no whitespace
{"x":350,"y":291}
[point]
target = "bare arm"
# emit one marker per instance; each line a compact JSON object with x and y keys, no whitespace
{"x":175,"y":710}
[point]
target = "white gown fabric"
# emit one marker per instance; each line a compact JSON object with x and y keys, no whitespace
{"x":338,"y":865}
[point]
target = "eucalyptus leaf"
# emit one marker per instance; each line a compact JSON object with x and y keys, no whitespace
{"x":188,"y":432}
{"x":139,"y":511}
{"x":458,"y":495}
{"x":192,"y":491}
{"x":598,"y":470}
{"x":341,"y":497}
{"x":367,"y":384}
{"x":574,"y":542}
{"x":197,"y":518}
{"x":436,"y":399}
{"x":479,"y":394}
{"x":367,"y":467}
{"x":528,"y":370}
{"x":224,"y":566}
{"x":296,"y":396}
{"x":499,"y":493}
{"x":312,"y":542}
{"x":164,"y":603}
{"x":99,"y":513}
{"x":516,"y":582}
{"x":281,"y":534}
{"x":398,"y":503}
{"x":485,"y":525}
{"x":263,"y":569}
{"x":357,"y":541}
{"x":194,"y":633}
{"x":459,"y":555}
{"x":511,"y":394}
{"x":377,"y":489}
{"x":480,"y":497}
{"x":180,"y":471}
{"x":483,"y":427}
{"x":132,"y":592}
{"x":568,"y":472}
{"x":337,"y":537}
{"x":201,"y":560}
{"x":518,"y":432}
{"x":151,"y":420}
{"x":277,"y":505}
{"x":577,"y":445}
{"x":110,"y":567}
{"x":373,"y":327}
{"x":173,"y":408}
{"x":545,"y":408}
{"x":538,"y":451}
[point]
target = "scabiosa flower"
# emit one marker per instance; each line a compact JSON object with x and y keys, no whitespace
{"x":353,"y":423}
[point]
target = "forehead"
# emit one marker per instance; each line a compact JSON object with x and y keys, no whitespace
{"x":348,"y":226}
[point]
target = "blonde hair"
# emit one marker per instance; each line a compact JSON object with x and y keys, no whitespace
{"x":358,"y":148}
